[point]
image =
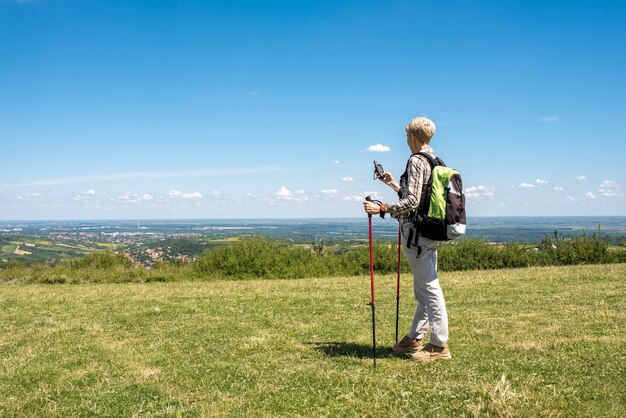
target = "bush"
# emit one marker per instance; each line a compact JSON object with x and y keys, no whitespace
{"x":477,"y":254}
{"x":474,"y":254}
{"x":356,"y":261}
{"x":263,"y":258}
{"x":100,"y":260}
{"x":579,"y":250}
{"x":260,"y":257}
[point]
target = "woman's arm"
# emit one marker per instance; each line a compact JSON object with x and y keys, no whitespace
{"x":388,"y":179}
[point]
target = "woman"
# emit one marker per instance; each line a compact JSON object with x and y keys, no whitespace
{"x":431,"y":308}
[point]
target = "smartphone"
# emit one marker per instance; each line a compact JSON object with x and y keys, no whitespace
{"x":379,"y":171}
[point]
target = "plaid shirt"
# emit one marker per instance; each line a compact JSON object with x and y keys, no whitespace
{"x":412,"y":184}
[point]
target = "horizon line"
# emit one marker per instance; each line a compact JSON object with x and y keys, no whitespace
{"x":287,"y":218}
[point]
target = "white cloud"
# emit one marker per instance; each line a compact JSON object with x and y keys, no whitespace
{"x":558,"y":188}
{"x":335,"y":162}
{"x":254,"y":93}
{"x":192,"y":195}
{"x":126,"y":197}
{"x":549,"y":119}
{"x":360,"y":198}
{"x":478,"y":192}
{"x":580,"y":178}
{"x":129,"y":197}
{"x":590,"y":195}
{"x":373,"y":195}
{"x":569,"y":199}
{"x":217,"y":193}
{"x":609,"y":188}
{"x":331,"y":192}
{"x":378,"y":148}
{"x":353,"y":198}
{"x":284,"y":193}
{"x":347,"y":179}
{"x":537,"y":183}
{"x":90,"y":192}
{"x":123,"y":196}
{"x":175,"y":194}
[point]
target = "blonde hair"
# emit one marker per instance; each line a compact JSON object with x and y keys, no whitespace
{"x":423,"y":128}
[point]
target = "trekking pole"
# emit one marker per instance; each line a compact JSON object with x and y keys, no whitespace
{"x":369,"y":216}
{"x":372,"y":288}
{"x":398,"y":284}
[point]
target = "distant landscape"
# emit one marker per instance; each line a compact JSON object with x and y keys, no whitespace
{"x":94,"y":327}
{"x":149,"y":241}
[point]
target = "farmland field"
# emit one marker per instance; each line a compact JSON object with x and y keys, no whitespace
{"x":8,"y":249}
{"x":37,"y":250}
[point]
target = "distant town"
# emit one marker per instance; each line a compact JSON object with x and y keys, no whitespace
{"x":145,"y":245}
{"x":143,"y":248}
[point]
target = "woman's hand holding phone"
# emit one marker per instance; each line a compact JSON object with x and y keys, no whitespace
{"x":385,"y":176}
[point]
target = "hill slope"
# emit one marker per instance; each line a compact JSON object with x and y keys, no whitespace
{"x":525,"y":342}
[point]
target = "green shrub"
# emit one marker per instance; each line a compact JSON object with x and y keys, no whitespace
{"x":385,"y":255}
{"x":261,"y":257}
{"x":477,"y":254}
{"x":579,"y":250}
{"x":474,"y":254}
{"x":100,"y":260}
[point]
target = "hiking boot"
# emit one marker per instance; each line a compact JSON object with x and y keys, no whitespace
{"x":432,"y":352}
{"x":407,"y":345}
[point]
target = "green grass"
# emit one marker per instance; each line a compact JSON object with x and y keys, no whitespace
{"x":526,"y":342}
{"x":8,"y":249}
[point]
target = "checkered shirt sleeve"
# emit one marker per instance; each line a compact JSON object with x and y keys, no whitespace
{"x":411,"y":185}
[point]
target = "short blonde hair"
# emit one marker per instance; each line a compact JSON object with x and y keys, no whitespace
{"x":423,"y":128}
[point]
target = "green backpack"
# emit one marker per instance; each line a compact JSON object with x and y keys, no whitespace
{"x":441,"y":214}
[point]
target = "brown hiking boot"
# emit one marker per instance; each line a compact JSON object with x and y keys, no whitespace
{"x":407,"y":345}
{"x":432,"y":352}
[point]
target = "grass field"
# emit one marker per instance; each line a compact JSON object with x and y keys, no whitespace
{"x":41,"y":251}
{"x":525,"y":342}
{"x":8,"y":249}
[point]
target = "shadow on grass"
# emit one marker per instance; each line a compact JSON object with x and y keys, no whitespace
{"x":345,"y":349}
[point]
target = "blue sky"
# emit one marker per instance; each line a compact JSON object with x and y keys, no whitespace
{"x":218,"y":109}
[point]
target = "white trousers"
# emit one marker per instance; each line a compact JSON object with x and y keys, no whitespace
{"x":431,"y":306}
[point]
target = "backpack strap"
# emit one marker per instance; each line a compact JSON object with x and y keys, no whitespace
{"x":427,"y":187}
{"x":434,"y":162}
{"x":422,"y":210}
